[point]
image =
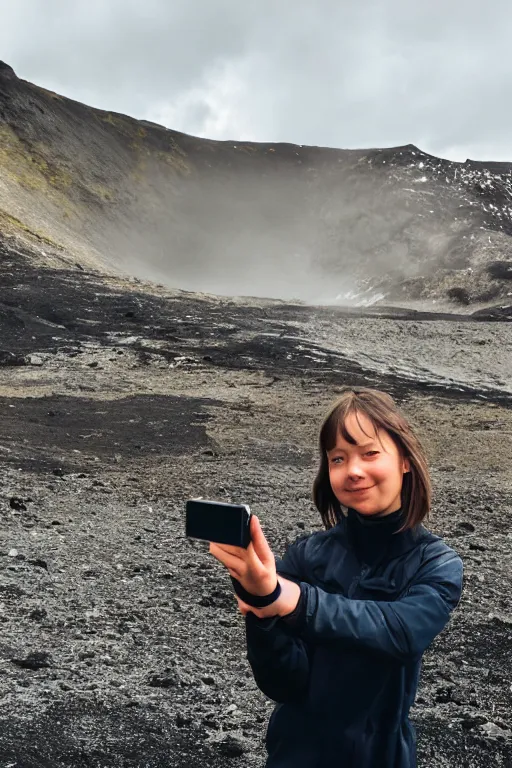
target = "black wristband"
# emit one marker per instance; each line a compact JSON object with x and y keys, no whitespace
{"x":256,"y":601}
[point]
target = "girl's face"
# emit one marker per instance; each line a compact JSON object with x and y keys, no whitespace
{"x":368,"y":476}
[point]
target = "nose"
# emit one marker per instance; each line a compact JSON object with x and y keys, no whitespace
{"x":355,"y":471}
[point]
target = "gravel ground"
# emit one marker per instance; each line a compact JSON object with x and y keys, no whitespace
{"x":471,"y":354}
{"x":121,"y":643}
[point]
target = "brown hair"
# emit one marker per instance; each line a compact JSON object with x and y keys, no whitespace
{"x":383,"y":412}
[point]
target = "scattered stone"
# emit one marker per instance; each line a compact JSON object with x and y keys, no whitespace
{"x":163,"y":681}
{"x":17,"y":504}
{"x":494,"y":733}
{"x":35,"y":660}
{"x":207,"y":601}
{"x":35,"y":360}
{"x":231,"y":747}
{"x":38,"y":614}
{"x":9,"y":358}
{"x":444,"y":694}
{"x":182,"y":721}
{"x":471,"y":720}
{"x":500,"y":270}
{"x":501,"y":619}
{"x":83,"y":655}
{"x":460,"y":295}
{"x":466,"y":526}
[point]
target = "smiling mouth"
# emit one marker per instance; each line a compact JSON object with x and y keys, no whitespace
{"x":358,"y":490}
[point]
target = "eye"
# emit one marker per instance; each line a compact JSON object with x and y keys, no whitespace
{"x":336,"y":459}
{"x":371,"y":453}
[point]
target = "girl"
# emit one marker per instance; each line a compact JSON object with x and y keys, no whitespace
{"x":337,"y":628}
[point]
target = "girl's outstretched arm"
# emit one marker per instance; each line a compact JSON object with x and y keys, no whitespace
{"x":278,"y":658}
{"x":402,"y":629}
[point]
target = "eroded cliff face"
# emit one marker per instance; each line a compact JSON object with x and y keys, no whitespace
{"x":279,"y":220}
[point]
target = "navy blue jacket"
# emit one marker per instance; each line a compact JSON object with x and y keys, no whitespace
{"x":343,"y":669}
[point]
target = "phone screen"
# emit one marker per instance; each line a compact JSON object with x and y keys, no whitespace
{"x":218,"y":522}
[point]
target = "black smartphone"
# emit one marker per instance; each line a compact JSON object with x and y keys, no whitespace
{"x":218,"y":521}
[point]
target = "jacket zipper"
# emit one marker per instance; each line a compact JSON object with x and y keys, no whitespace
{"x":356,"y":580}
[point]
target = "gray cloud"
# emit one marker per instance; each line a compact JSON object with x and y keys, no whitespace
{"x":334,"y":73}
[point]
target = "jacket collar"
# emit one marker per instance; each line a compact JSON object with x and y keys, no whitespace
{"x":376,"y":538}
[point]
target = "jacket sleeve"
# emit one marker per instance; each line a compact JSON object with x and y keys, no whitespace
{"x":279,"y":659}
{"x":401,"y":629}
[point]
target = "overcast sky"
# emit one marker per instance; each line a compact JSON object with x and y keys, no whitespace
{"x":340,"y":73}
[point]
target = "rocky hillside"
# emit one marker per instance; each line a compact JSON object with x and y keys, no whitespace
{"x":322,"y":225}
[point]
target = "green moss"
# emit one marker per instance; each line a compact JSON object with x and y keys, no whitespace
{"x":109,"y":118}
{"x":175,"y":161}
{"x":52,"y":94}
{"x":126,"y":126}
{"x":103,"y":192}
{"x":137,"y":147}
{"x":7,"y":221}
{"x":29,"y":166}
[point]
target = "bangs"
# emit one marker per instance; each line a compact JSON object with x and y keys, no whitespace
{"x":335,"y":425}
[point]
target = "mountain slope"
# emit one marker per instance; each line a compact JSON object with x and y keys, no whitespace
{"x":231,"y":217}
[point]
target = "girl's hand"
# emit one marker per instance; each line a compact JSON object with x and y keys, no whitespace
{"x":286,"y":602}
{"x":254,"y":567}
